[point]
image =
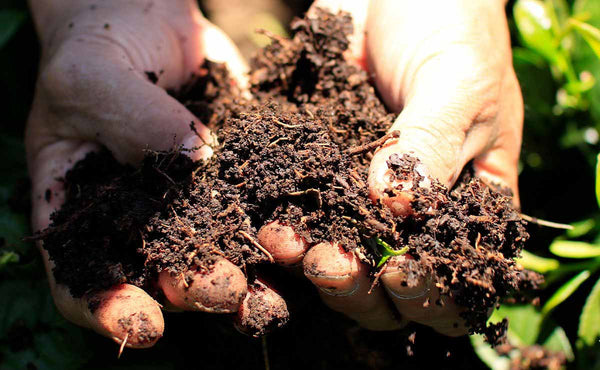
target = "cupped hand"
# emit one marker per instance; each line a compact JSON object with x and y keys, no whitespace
{"x":446,"y":67}
{"x":94,"y":88}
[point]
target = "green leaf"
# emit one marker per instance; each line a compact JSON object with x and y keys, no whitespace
{"x":535,"y":27}
{"x":589,"y":321}
{"x":488,"y":355}
{"x":584,"y":58}
{"x":13,"y":227}
{"x":524,"y":323}
{"x":559,"y":342}
{"x":589,"y":33}
{"x":7,"y":257}
{"x":574,"y":249}
{"x":565,"y":291}
{"x":581,"y":228}
{"x":559,"y":13}
{"x":526,"y":56}
{"x":386,"y":251}
{"x":10,"y":20}
{"x":598,"y":179}
{"x":536,"y":263}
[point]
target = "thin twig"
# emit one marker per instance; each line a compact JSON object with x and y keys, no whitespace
{"x":285,"y":124}
{"x":165,"y":175}
{"x":374,"y":144}
{"x":554,"y":225}
{"x":276,"y":141}
{"x":123,"y":343}
{"x":377,"y":276}
{"x":265,"y":351}
{"x":257,"y":245}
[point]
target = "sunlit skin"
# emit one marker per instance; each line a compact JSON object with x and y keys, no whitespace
{"x":445,"y":64}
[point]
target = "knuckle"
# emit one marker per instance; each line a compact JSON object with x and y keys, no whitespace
{"x":62,"y":78}
{"x":437,"y":145}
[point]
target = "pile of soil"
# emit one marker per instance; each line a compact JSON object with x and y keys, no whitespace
{"x":298,"y":151}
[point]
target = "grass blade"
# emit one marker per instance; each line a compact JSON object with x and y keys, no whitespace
{"x":589,"y":321}
{"x":574,"y":249}
{"x":565,"y":291}
{"x":536,"y":263}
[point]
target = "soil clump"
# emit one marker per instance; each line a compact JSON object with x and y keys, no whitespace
{"x":298,"y":151}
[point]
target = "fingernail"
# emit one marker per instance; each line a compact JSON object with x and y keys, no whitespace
{"x":339,"y":285}
{"x":403,"y":292}
{"x":197,"y":149}
{"x":405,"y":279}
{"x":338,"y":292}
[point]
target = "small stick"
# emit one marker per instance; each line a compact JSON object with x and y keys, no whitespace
{"x":185,"y":283}
{"x":278,"y":140}
{"x":555,"y":225}
{"x":377,"y":276}
{"x":477,"y":241}
{"x":265,"y":351}
{"x":374,"y":144}
{"x":257,"y":245}
{"x":166,"y":176}
{"x":285,"y":124}
{"x":243,"y":165}
{"x":123,"y":345}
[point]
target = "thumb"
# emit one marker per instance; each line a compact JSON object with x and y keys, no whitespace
{"x":446,"y":121}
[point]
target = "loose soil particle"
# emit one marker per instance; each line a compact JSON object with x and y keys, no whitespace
{"x":298,"y":151}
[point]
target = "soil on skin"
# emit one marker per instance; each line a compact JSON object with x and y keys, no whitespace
{"x":298,"y":151}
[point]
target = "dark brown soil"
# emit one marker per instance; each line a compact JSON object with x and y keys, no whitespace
{"x":297,"y":152}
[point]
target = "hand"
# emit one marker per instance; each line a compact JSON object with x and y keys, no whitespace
{"x":446,"y":66}
{"x":93,"y":90}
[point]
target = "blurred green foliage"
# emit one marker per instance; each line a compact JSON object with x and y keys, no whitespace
{"x":558,"y":65}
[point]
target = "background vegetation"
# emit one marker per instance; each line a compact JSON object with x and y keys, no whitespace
{"x":556,"y":56}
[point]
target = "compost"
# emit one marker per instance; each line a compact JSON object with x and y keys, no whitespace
{"x":297,"y":151}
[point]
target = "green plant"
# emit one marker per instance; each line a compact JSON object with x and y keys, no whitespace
{"x":562,"y":38}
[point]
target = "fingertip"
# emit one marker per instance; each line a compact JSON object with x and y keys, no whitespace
{"x":220,"y":290}
{"x":332,"y":269}
{"x":196,"y":148}
{"x":405,"y":278}
{"x":411,"y":288}
{"x":262,"y":310}
{"x":284,"y":244}
{"x":392,"y":179}
{"x":126,"y":313}
{"x":219,"y":48}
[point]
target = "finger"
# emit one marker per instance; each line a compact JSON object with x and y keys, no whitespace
{"x":135,"y":113}
{"x":220,"y":290}
{"x":358,"y":11}
{"x":413,"y":292}
{"x":344,"y":286}
{"x":447,"y":87}
{"x":120,"y":312}
{"x":499,"y":165}
{"x":442,"y":126}
{"x":262,"y":310}
{"x":218,"y":47}
{"x":286,"y":247}
{"x":124,"y":313}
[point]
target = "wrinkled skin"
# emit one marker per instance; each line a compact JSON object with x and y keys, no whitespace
{"x":449,"y":72}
